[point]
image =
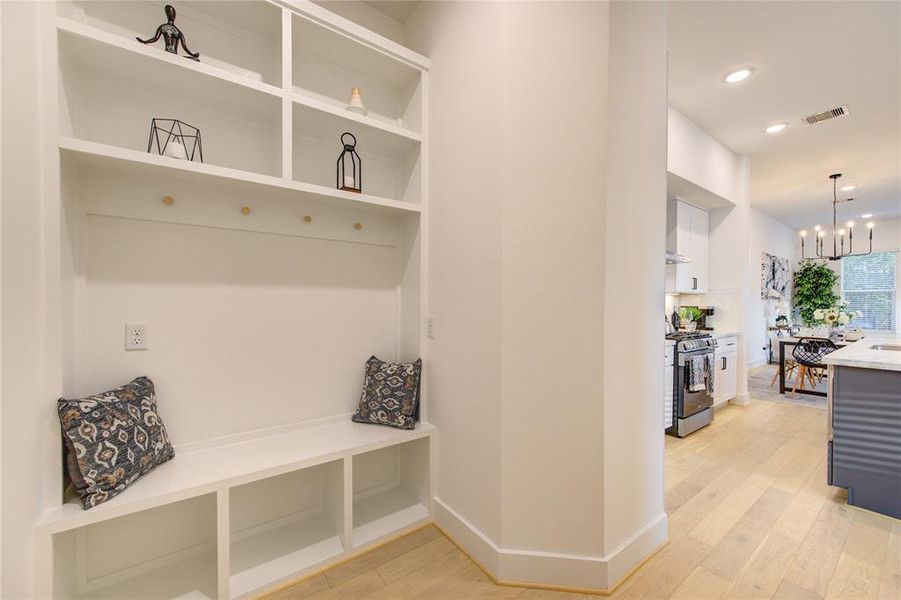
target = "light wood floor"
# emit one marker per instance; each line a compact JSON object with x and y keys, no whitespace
{"x":750,"y":516}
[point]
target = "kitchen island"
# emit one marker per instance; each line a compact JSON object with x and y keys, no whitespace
{"x":864,"y":423}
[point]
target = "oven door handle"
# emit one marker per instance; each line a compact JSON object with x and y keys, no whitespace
{"x":684,"y":358}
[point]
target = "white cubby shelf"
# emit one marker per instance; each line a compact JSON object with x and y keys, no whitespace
{"x":265,"y":288}
{"x":273,"y":506}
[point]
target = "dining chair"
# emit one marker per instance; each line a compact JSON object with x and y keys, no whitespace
{"x":790,"y":368}
{"x":809,"y":353}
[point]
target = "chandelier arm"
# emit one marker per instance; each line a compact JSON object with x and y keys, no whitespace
{"x":834,"y":213}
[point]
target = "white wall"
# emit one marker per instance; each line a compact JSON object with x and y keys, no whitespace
{"x":521,"y":238}
{"x":634,"y":517}
{"x":774,"y":237}
{"x":887,"y":238}
{"x":696,"y":156}
{"x":233,"y":315}
{"x":464,"y":378}
{"x":29,"y":259}
{"x":553,"y":251}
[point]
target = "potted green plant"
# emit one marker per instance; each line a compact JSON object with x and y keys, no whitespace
{"x":689,"y":316}
{"x":814,"y":290}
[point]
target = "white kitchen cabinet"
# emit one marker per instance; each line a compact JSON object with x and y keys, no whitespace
{"x":668,"y":386}
{"x":725,"y":382}
{"x":687,"y":232}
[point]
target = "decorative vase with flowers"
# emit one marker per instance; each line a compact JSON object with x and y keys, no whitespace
{"x":827,"y":320}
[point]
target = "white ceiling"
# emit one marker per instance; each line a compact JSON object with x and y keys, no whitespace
{"x":808,"y":57}
{"x":398,"y":10}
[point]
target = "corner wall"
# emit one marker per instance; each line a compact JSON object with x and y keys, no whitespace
{"x":31,"y":313}
{"x":530,"y":242}
{"x":634,"y":514}
{"x":465,"y":211}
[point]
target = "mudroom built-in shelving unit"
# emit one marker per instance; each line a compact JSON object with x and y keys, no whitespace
{"x":263,"y":288}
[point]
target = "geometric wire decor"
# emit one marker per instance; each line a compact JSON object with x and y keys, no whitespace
{"x":175,"y":138}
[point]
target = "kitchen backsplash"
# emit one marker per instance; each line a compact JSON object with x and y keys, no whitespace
{"x":724,"y":301}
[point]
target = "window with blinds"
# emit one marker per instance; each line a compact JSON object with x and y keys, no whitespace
{"x":868,"y":284}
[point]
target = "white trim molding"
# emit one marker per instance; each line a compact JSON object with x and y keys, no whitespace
{"x":742,"y":399}
{"x":532,"y":568}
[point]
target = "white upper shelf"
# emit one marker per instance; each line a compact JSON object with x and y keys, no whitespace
{"x":357,"y":33}
{"x":84,"y":37}
{"x":124,"y":159}
{"x":88,"y":45}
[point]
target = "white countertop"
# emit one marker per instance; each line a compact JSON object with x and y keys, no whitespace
{"x":860,"y":354}
{"x":717,"y":335}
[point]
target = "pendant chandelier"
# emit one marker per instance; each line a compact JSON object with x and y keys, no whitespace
{"x":838,"y":234}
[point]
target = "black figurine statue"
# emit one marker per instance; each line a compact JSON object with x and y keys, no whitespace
{"x":171,"y":35}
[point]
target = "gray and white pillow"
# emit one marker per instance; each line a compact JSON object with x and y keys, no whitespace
{"x":112,"y":439}
{"x":390,"y":394}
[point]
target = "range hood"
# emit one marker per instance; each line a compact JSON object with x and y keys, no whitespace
{"x":674,"y":259}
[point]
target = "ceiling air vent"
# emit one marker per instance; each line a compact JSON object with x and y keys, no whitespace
{"x":819,"y":117}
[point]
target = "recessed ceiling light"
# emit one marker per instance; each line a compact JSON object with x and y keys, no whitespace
{"x":848,"y":188}
{"x":776,"y":127}
{"x":740,"y":75}
{"x":866,"y":215}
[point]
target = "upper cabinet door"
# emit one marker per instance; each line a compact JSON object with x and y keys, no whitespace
{"x":700,"y":221}
{"x":688,"y":236}
{"x":684,"y":246}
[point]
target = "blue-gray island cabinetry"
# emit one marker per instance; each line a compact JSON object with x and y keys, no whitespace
{"x":864,"y":412}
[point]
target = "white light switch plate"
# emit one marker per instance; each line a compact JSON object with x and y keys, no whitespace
{"x":136,"y":336}
{"x":430,"y":328}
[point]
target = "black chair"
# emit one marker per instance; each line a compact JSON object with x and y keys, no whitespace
{"x":809,"y":353}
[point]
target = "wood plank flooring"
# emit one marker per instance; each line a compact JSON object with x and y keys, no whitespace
{"x":750,"y":515}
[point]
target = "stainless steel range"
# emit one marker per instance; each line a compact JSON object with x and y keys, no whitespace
{"x":692,"y":410}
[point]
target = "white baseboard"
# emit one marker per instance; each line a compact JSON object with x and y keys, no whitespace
{"x":552,"y":569}
{"x":756,"y":363}
{"x":742,"y":399}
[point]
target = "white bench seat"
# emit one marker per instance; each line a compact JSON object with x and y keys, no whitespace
{"x":219,"y":467}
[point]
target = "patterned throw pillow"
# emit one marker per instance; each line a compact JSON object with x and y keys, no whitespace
{"x":112,"y":439}
{"x":390,"y":394}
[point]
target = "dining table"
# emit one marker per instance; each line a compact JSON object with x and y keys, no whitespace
{"x":792,"y":341}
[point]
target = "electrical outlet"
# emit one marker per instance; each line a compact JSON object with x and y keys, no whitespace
{"x":430,"y":328}
{"x":136,"y":336}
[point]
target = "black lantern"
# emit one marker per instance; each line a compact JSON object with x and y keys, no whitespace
{"x":174,"y":138}
{"x":350,"y":168}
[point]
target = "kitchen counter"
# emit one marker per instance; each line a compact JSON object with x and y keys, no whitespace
{"x":669,"y":343}
{"x":864,"y":417}
{"x":860,"y":354}
{"x":718,"y":335}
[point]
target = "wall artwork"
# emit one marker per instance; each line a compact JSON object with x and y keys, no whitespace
{"x":775,"y":276}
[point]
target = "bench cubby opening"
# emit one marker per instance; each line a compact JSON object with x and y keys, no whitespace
{"x":284,"y":525}
{"x":390,"y":490}
{"x":163,"y":552}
